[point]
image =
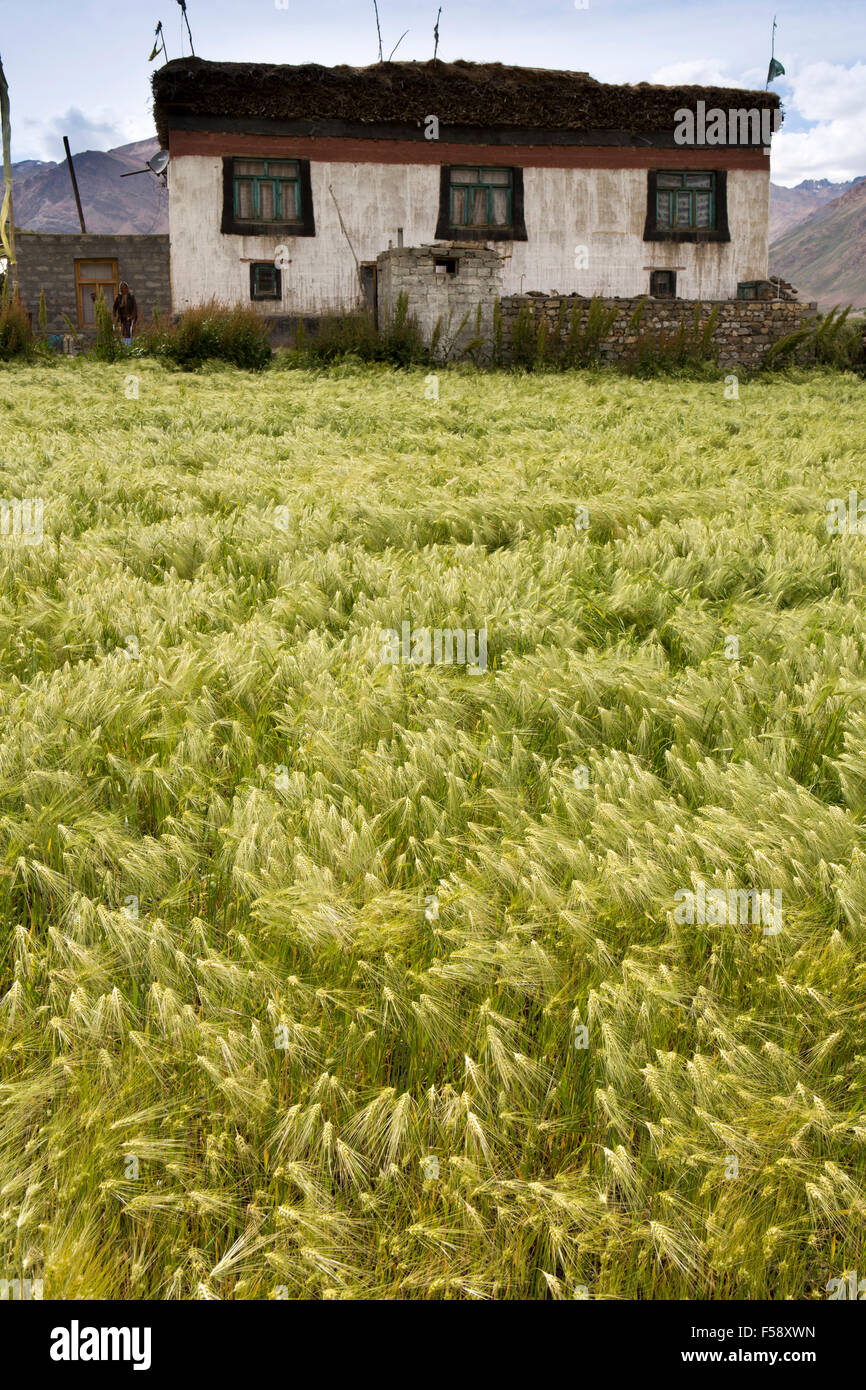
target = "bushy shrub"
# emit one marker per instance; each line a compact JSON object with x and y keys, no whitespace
{"x":352,"y":334}
{"x":586,"y":332}
{"x":213,"y":331}
{"x":524,"y":339}
{"x":574,"y":340}
{"x":689,"y":348}
{"x":833,"y":340}
{"x":401,"y":337}
{"x":16,"y":333}
{"x":107,"y":347}
{"x":355,"y":334}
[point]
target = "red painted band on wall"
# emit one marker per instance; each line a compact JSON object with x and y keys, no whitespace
{"x":340,"y":150}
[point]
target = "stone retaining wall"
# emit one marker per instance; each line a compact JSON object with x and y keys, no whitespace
{"x":446,"y":282}
{"x":744,"y":330}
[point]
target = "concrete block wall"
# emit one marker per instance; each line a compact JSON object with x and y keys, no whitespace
{"x":436,"y":292}
{"x":46,"y":261}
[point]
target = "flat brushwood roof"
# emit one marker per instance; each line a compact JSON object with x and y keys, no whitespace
{"x":461,"y":94}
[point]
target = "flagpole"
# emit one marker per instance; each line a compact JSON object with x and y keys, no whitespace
{"x":772,"y":55}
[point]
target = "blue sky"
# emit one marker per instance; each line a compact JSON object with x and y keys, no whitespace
{"x":81,"y":68}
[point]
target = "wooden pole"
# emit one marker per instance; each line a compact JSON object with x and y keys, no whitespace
{"x":772,"y":55}
{"x":74,"y":183}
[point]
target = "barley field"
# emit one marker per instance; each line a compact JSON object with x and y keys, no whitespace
{"x":326,"y":976}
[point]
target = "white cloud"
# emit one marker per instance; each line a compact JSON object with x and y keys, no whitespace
{"x":834,"y":147}
{"x":698,"y":72}
{"x":833,"y":150}
{"x":825,"y":91}
{"x":104,"y":131}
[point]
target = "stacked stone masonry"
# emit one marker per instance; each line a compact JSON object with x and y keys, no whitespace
{"x":744,"y":331}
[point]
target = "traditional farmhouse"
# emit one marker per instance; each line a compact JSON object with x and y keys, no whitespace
{"x":295,"y":188}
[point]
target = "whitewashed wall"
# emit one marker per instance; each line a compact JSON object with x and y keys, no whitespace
{"x":601,"y":209}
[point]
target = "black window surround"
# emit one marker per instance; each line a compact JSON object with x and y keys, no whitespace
{"x":663,"y":284}
{"x":233,"y":226}
{"x":446,"y":231}
{"x":255,"y":291}
{"x":720,"y":232}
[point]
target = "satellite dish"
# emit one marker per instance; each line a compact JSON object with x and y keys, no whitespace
{"x":157,"y":165}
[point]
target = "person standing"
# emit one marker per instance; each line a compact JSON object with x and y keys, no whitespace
{"x":125,"y":312}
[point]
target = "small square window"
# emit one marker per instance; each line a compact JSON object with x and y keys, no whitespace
{"x":445,"y":265}
{"x":663,"y":284}
{"x":265,"y":281}
{"x":747,"y":289}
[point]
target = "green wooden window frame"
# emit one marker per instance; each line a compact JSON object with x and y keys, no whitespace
{"x":685,"y":200}
{"x":469,"y":180}
{"x":265,"y":281}
{"x":663,"y":284}
{"x":748,"y":289}
{"x":274,"y":195}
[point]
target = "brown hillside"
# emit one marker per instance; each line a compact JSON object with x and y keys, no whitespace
{"x":825,"y":257}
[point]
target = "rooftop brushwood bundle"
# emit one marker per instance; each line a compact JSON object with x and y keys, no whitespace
{"x":460,"y":93}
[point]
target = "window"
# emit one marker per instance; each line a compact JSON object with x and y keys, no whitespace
{"x":663,"y":284}
{"x":687,"y":205}
{"x":748,"y":289}
{"x":480,"y":204}
{"x":481,"y":198}
{"x":266,"y":196}
{"x":266,"y":281}
{"x":267,"y":190}
{"x":93,"y":278}
{"x":685,"y":200}
{"x":445,"y":265}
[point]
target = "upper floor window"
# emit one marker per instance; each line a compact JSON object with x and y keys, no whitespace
{"x":481,"y":197}
{"x":685,"y":200}
{"x":267,"y":190}
{"x":478,"y":203}
{"x":266,"y":197}
{"x":687,"y":205}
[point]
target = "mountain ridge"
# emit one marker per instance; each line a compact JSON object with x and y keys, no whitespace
{"x":825,"y":255}
{"x":44,"y":202}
